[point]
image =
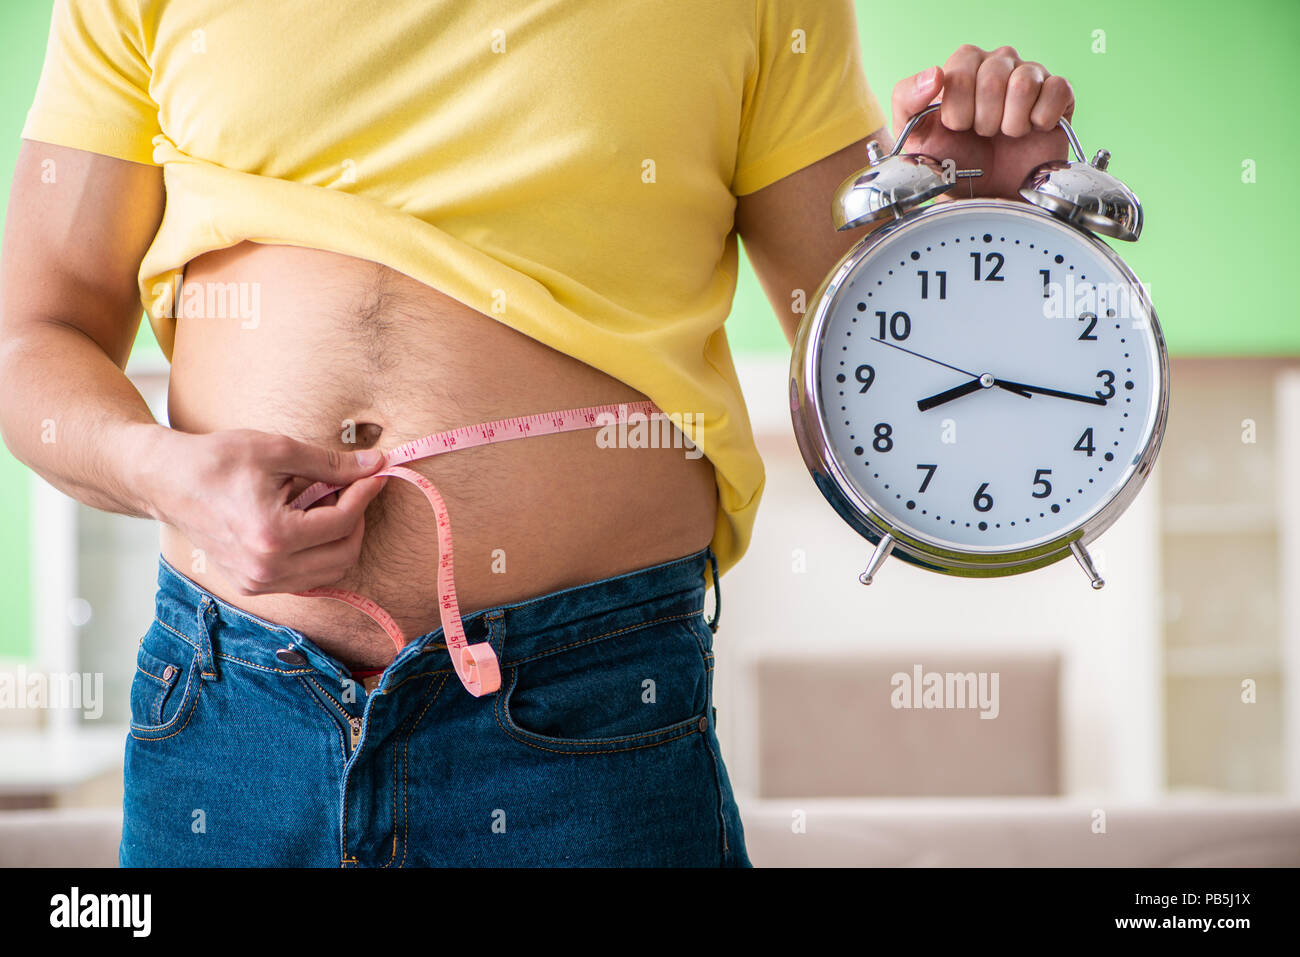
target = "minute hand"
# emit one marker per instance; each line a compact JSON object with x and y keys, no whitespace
{"x":1041,"y":390}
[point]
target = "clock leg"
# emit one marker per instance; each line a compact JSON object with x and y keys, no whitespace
{"x":1085,"y":561}
{"x":877,"y":559}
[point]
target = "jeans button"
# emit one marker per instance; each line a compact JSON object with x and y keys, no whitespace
{"x":291,"y":657}
{"x":704,"y":725}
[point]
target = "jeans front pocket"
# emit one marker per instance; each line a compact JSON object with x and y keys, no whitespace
{"x":632,"y":688}
{"x":166,"y":683}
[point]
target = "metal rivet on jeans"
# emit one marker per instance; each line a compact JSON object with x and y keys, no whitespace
{"x":704,"y":724}
{"x":291,"y":657}
{"x":168,"y":672}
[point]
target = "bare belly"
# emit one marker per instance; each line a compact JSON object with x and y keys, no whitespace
{"x":344,"y":349}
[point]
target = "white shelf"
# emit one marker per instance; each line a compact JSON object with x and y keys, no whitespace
{"x":1241,"y":519}
{"x":1216,"y":661}
{"x":45,"y":763}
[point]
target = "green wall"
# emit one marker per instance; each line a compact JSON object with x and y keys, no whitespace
{"x":1185,"y":91}
{"x":1183,"y":94}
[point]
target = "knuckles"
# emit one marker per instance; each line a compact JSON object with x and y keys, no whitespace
{"x":265,"y":540}
{"x":260,"y":571}
{"x":1059,"y":84}
{"x":991,"y":82}
{"x":1022,"y":84}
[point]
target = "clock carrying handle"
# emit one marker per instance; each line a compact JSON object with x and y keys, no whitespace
{"x":911,"y":125}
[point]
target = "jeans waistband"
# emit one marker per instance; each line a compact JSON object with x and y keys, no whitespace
{"x":224,"y":633}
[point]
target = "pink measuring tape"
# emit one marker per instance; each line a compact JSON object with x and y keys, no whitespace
{"x":476,"y":665}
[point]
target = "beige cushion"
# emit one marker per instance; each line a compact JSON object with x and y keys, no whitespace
{"x":828,"y":728}
{"x":71,"y":837}
{"x":1021,"y":832}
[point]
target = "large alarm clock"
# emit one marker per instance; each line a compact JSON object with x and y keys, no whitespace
{"x":980,"y":387}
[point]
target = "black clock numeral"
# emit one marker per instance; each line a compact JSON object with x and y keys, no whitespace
{"x":1047,"y":282}
{"x":1091,"y":320}
{"x":883,"y":441}
{"x":941,"y":275}
{"x":1085,"y":443}
{"x":866,"y":375}
{"x":929,"y":474}
{"x":1040,"y":478}
{"x":899,"y":326}
{"x":1108,"y":383}
{"x":983,"y":501}
{"x":996,"y":259}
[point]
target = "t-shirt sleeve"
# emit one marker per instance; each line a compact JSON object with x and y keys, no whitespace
{"x":93,"y":93}
{"x":807,"y":96}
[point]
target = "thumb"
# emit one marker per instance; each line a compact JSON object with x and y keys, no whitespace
{"x":326,"y":465}
{"x":914,"y":93}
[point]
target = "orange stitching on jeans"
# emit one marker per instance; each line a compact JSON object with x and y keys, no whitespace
{"x":193,"y":707}
{"x":392,"y":855}
{"x":343,"y":751}
{"x":152,"y":675}
{"x":662,"y":566}
{"x":716,"y":761}
{"x":274,"y":671}
{"x":181,"y":635}
{"x":422,"y":674}
{"x":189,"y":682}
{"x":503,"y":699}
{"x":587,"y":641}
{"x":406,"y":768}
{"x":499,"y":707}
{"x":635,"y":747}
{"x":414,"y":722}
{"x":328,"y":695}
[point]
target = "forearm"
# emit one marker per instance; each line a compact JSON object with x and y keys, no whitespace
{"x":69,"y":413}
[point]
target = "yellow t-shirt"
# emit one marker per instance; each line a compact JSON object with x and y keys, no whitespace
{"x":569,"y":169}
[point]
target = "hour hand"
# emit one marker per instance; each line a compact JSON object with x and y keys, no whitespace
{"x":966,"y":388}
{"x":985,"y":381}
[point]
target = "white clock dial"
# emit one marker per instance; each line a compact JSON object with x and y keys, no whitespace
{"x":988,"y":378}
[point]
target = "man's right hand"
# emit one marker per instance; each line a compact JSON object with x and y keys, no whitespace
{"x":229,"y":492}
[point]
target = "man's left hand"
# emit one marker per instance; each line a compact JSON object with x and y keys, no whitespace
{"x":999,"y":114}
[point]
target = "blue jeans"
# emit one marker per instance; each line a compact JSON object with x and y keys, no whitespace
{"x":249,"y":746}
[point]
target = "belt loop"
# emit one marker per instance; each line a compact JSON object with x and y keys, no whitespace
{"x":717,"y":591}
{"x":207,"y":615}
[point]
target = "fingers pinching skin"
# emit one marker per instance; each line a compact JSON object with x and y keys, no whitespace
{"x":319,"y":464}
{"x":328,"y":523}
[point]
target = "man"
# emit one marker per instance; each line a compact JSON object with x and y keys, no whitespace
{"x":352,"y":231}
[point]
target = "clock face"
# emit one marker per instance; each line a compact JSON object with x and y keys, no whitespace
{"x":988,"y":377}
